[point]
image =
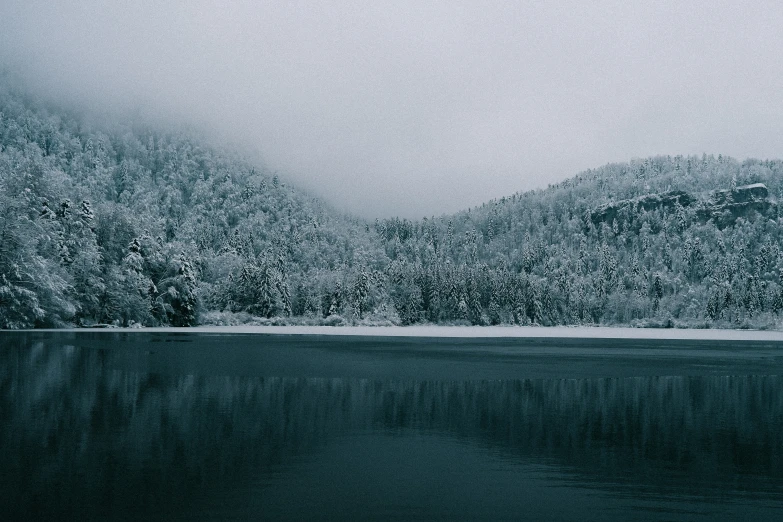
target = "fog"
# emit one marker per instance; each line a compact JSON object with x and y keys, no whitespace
{"x":417,"y":108}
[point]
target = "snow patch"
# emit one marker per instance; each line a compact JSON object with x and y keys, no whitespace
{"x":477,"y":332}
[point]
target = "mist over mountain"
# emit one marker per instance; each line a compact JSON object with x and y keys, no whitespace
{"x":412,"y":109}
{"x":125,"y":224}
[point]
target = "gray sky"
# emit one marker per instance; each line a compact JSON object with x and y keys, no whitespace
{"x":416,"y":108}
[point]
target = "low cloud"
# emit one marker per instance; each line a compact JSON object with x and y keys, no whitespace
{"x":413,"y":108}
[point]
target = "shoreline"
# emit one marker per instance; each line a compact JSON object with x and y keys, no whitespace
{"x":457,"y":332}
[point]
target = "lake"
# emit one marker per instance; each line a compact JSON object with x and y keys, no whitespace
{"x":177,"y":425}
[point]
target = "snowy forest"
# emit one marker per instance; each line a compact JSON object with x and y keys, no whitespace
{"x":127,"y":225}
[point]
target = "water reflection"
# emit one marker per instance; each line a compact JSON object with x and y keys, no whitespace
{"x":82,"y":439}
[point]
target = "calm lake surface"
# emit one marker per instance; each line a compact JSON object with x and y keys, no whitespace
{"x":134,"y":425}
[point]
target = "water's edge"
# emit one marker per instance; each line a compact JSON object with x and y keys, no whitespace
{"x":474,"y":332}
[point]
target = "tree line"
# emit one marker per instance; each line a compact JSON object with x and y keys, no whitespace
{"x":122,"y":224}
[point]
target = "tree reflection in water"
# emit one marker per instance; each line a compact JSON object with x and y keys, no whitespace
{"x":81,"y":439}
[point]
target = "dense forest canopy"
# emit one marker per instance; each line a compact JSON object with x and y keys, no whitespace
{"x":128,"y":225}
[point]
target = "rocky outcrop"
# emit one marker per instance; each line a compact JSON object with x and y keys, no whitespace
{"x":724,"y":207}
{"x":609,"y":212}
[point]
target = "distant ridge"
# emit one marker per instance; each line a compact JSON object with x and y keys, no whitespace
{"x":121,"y":226}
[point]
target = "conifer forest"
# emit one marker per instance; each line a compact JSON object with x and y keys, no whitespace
{"x":122,"y":224}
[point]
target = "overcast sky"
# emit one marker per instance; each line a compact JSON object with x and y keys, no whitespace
{"x":416,"y":108}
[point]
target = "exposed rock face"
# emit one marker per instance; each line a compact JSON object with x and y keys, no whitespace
{"x":745,"y":194}
{"x":725,"y":206}
{"x":722,"y":206}
{"x":608,"y":213}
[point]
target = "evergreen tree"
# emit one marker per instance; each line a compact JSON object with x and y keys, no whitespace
{"x":178,"y":294}
{"x":361,"y":292}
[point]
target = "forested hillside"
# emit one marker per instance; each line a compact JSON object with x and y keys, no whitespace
{"x":126,"y":225}
{"x":660,"y":241}
{"x":129,"y":225}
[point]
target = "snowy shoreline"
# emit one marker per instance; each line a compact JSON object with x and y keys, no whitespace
{"x":467,"y":332}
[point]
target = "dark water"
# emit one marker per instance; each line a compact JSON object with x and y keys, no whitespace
{"x":198,"y":426}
